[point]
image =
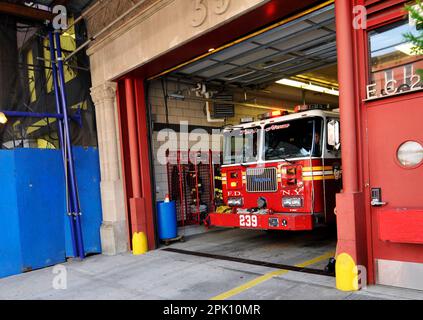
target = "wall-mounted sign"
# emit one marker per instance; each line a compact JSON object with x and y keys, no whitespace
{"x":393,"y":87}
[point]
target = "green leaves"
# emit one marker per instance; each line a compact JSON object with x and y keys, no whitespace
{"x":416,"y":12}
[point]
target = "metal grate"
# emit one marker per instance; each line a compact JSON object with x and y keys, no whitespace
{"x":191,"y":185}
{"x":262,"y":180}
{"x":223,"y":110}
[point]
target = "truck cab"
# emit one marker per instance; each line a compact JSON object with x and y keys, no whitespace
{"x":282,"y":172}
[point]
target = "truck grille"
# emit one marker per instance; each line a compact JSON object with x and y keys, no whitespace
{"x":262,"y":180}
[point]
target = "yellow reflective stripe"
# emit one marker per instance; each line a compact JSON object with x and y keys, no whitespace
{"x":310,"y":169}
{"x":318,"y":178}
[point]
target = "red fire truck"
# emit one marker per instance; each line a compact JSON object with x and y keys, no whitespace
{"x":282,"y":172}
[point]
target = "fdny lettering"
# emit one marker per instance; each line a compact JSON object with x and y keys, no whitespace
{"x":234,"y":193}
{"x":296,"y":192}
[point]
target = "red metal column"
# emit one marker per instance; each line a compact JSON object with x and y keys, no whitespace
{"x":144,"y":158}
{"x":136,"y":202}
{"x":347,"y":98}
{"x":124,"y":150}
{"x":350,"y":203}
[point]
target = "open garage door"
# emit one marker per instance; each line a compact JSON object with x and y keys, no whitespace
{"x":276,"y":93}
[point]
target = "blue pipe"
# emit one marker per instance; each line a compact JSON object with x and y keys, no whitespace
{"x":60,"y":132}
{"x":75,"y":206}
{"x":20,"y":114}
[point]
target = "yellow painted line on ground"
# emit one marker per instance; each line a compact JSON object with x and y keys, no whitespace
{"x":268,"y":276}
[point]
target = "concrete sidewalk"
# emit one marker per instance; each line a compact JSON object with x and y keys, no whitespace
{"x":165,"y":275}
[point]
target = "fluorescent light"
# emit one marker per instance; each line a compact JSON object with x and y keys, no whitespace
{"x":3,"y":118}
{"x":307,"y":86}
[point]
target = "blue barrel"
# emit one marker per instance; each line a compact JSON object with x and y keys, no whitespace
{"x":167,"y":221}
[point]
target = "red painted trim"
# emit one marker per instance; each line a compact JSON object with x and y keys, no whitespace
{"x":378,"y":6}
{"x":361,"y":53}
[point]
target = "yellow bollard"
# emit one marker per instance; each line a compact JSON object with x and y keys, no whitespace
{"x":346,"y":273}
{"x":139,"y":244}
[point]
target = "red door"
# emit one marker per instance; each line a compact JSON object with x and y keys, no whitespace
{"x":394,"y":135}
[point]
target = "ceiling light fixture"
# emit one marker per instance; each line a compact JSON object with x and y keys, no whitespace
{"x":307,"y":86}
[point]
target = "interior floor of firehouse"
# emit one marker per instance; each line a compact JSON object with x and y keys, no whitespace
{"x":260,"y":78}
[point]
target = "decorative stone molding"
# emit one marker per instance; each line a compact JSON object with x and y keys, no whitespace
{"x":157,"y":28}
{"x":104,"y":92}
{"x":111,"y":9}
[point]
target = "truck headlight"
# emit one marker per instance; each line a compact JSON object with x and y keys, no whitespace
{"x":292,"y":202}
{"x":235,"y":202}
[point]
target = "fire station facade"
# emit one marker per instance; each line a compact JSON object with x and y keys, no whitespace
{"x":380,"y":209}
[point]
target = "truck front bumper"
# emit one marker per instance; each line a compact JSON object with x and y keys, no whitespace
{"x":289,"y":222}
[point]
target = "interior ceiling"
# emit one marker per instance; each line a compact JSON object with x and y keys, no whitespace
{"x":304,"y":46}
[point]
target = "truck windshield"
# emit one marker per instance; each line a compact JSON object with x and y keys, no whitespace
{"x":294,"y":139}
{"x":241,"y":146}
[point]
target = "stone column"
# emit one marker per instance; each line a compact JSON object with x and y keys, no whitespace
{"x":114,"y":233}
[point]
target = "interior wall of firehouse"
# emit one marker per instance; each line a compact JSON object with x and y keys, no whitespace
{"x":169,"y":98}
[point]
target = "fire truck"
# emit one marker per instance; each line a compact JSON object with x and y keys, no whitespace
{"x":282,"y":172}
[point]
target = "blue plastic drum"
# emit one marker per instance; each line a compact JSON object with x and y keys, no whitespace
{"x":167,"y":221}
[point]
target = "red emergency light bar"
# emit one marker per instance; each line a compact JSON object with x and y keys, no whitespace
{"x":274,"y":114}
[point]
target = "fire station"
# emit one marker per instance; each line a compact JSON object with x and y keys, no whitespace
{"x":235,"y":45}
{"x":264,"y":116}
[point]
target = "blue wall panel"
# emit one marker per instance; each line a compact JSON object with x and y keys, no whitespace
{"x":34,"y":228}
{"x":41,"y":196}
{"x":10,"y":245}
{"x":87,"y":166}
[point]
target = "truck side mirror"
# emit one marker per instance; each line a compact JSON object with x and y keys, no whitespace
{"x":334,"y":134}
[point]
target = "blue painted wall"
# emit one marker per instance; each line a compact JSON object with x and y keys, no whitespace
{"x":34,"y":227}
{"x":10,"y":244}
{"x":87,"y":166}
{"x":39,"y":180}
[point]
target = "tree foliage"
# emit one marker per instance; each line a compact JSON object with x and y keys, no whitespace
{"x":416,"y":13}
